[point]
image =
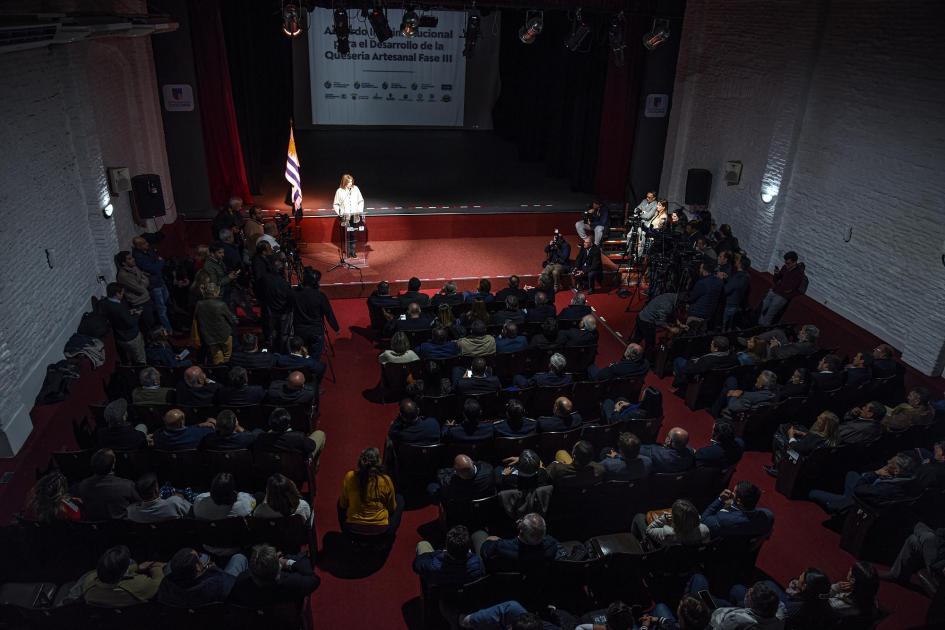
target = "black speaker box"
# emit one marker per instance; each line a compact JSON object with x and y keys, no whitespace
{"x":698,"y":185}
{"x":147,"y":196}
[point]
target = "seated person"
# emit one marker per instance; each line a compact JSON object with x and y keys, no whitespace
{"x":475,"y":380}
{"x":515,"y":423}
{"x":152,"y":508}
{"x":780,"y":348}
{"x":550,"y":338}
{"x":118,"y":582}
{"x":545,"y":285}
{"x":509,"y":340}
{"x":414,"y":319}
{"x":478,"y":343}
{"x":511,"y":312}
{"x":514,"y":289}
{"x":379,"y":303}
{"x":465,"y":481}
{"x":931,"y":470}
{"x":563,"y":417}
{"x":118,"y":434}
{"x":249,"y":355}
{"x":369,"y":503}
{"x":196,"y":390}
{"x":223,"y":500}
{"x":718,"y":357}
{"x":175,"y":436}
{"x":915,"y":412}
{"x":829,"y":374}
{"x":161,"y":353}
{"x":192,"y":579}
{"x":399,"y":351}
{"x":855,"y":594}
{"x":584,"y":335}
{"x":413,"y":295}
{"x":739,"y":401}
{"x":673,"y":456}
{"x":576,"y":469}
{"x":762,"y":608}
{"x":448,"y":295}
{"x":281,"y":437}
{"x":690,"y":614}
{"x":884,"y":361}
{"x":862,"y":425}
{"x":409,"y":427}
{"x":292,"y":391}
{"x":797,"y":386}
{"x":735,"y":513}
{"x":273,"y":579}
{"x":238,"y":391}
{"x":681,"y":526}
{"x":891,"y":484}
{"x":483,"y":293}
{"x":625,"y":463}
{"x":556,"y":376}
{"x":755,"y":352}
{"x":454,"y":566}
{"x":632,"y":364}
{"x":104,"y":495}
{"x":923,"y":549}
{"x":150,"y":392}
{"x":650,"y":406}
{"x":725,"y":449}
{"x":576,"y":310}
{"x":299,"y":359}
{"x":802,"y":440}
{"x":523,"y":473}
{"x":542,"y":309}
{"x":283,"y":500}
{"x":439,"y":346}
{"x":228,"y":434}
{"x":859,"y":371}
{"x":49,"y":500}
{"x":528,"y":551}
{"x":472,"y":428}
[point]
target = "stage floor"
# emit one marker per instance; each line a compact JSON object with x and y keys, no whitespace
{"x":418,"y":171}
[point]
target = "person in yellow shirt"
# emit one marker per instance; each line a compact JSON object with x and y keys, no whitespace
{"x":368,"y":502}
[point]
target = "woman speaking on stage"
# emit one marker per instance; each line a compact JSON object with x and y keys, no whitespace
{"x":349,"y":206}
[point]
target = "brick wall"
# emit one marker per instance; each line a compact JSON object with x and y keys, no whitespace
{"x":835,"y":110}
{"x":66,"y":113}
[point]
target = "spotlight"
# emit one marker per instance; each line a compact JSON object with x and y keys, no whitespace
{"x":657,"y":35}
{"x":473,"y":21}
{"x":378,"y":20}
{"x":409,"y":23}
{"x":342,"y":29}
{"x":532,"y":27}
{"x":579,"y":34}
{"x":615,"y":38}
{"x":292,"y":20}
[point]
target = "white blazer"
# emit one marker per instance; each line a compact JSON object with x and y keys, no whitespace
{"x":348,"y":202}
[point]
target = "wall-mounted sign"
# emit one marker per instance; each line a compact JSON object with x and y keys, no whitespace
{"x":656,"y":105}
{"x":178,"y":97}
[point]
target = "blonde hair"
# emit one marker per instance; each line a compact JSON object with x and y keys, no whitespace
{"x":202,"y":252}
{"x":345,"y":179}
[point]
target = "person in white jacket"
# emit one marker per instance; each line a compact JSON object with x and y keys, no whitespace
{"x":349,"y":206}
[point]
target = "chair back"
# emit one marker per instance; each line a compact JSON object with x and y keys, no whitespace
{"x":708,"y":482}
{"x":625,"y":387}
{"x":394,"y":378}
{"x":440,"y":407}
{"x":226,"y":532}
{"x":477,"y":451}
{"x":133,"y":464}
{"x":416,"y":463}
{"x":151,"y":416}
{"x":296,"y":466}
{"x":543,"y":398}
{"x":586,"y":397}
{"x":536,"y":360}
{"x":600,"y":435}
{"x":238,"y":462}
{"x":488,"y":401}
{"x":179,"y":468}
{"x":616,"y":503}
{"x":513,"y":446}
{"x":667,"y":487}
{"x":647,"y":429}
{"x":300,"y":416}
{"x":579,"y":357}
{"x":252,"y":416}
{"x":287,"y":534}
{"x":75,"y":465}
{"x":508,"y":364}
{"x":553,"y":441}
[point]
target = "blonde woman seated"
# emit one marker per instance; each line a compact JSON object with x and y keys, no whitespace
{"x":680,"y":526}
{"x":399,"y":352}
{"x":368,"y":504}
{"x":283,"y":500}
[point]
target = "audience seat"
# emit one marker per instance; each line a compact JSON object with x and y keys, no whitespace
{"x":394,"y":379}
{"x":667,"y":487}
{"x":601,"y":436}
{"x":508,"y":364}
{"x":579,"y":357}
{"x":553,"y":441}
{"x":178,"y":468}
{"x":586,"y":397}
{"x":505,"y":447}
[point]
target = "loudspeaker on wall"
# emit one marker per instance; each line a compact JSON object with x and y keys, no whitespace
{"x":698,"y":185}
{"x":147,"y":196}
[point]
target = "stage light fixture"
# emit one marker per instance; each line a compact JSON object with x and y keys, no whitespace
{"x":473,"y":23}
{"x":409,"y":23}
{"x":579,"y":36}
{"x":615,"y":38}
{"x":378,"y":19}
{"x":293,"y":20}
{"x":342,"y":30}
{"x":534,"y":22}
{"x":657,"y":35}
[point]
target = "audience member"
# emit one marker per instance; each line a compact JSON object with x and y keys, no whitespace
{"x":413,"y":295}
{"x":192,"y":579}
{"x":124,"y":324}
{"x":829,"y":374}
{"x":152,"y":264}
{"x":161,"y":353}
{"x":238,"y":391}
{"x":118,"y":581}
{"x":249,"y":356}
{"x":152,"y":508}
{"x":515,"y":423}
{"x":862,"y":425}
{"x":725,"y":449}
{"x":465,"y":481}
{"x":884,"y":362}
{"x":283,"y":500}
{"x":584,"y":335}
{"x":576,"y":310}
{"x":292,"y":391}
{"x":175,"y":436}
{"x":576,"y":469}
{"x":736,"y":513}
{"x":215,"y":324}
{"x":804,"y":441}
{"x":379,"y":303}
{"x":453,"y":566}
{"x":550,"y":338}
{"x":273,"y":579}
{"x":118,"y":434}
{"x":739,"y":401}
{"x":736,"y":291}
{"x":632,"y":364}
{"x":755,"y":352}
{"x":521,"y":473}
{"x":556,"y":376}
{"x":150,"y":391}
{"x":780,"y":348}
{"x":915,"y":412}
{"x":471,"y":429}
{"x":49,"y":500}
{"x":409,"y":427}
{"x":528,"y":551}
{"x":300,"y":359}
{"x":399,"y":351}
{"x":511,"y":312}
{"x":789,"y":282}
{"x":923,"y":549}
{"x":514,"y":289}
{"x":104,"y":495}
{"x":475,"y":380}
{"x":509,"y":340}
{"x":448,"y":295}
{"x":856,"y":594}
{"x":477,"y":343}
{"x":411,"y":321}
{"x":704,"y":297}
{"x":719,"y":357}
{"x":196,"y":390}
{"x":797,"y":386}
{"x":542,"y":309}
{"x":893,"y":483}
{"x":859,"y":371}
{"x":484,"y":292}
{"x":682,"y":525}
{"x":439,"y":346}
{"x":223,"y":500}
{"x":282,"y":438}
{"x":625,"y":463}
{"x":563,"y":417}
{"x":691,"y":614}
{"x":673,"y":456}
{"x":368,"y":503}
{"x":228,"y":434}
{"x":587,"y":265}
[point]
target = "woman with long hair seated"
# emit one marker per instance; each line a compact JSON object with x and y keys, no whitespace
{"x":400,"y":351}
{"x":368,"y":503}
{"x":803,"y":441}
{"x":283,"y":500}
{"x":755,"y":353}
{"x":50,"y":501}
{"x":478,"y":311}
{"x":681,"y":526}
{"x":856,"y":595}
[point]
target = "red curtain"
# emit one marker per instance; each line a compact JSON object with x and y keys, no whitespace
{"x":221,"y":139}
{"x":619,"y":114}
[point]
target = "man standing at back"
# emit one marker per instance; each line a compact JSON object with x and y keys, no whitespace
{"x":149,"y":262}
{"x":789,"y":282}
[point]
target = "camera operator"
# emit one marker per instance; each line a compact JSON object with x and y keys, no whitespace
{"x":596,"y":219}
{"x":310,"y":310}
{"x":275,"y":295}
{"x":646,"y":209}
{"x":557,"y":258}
{"x":229,"y":217}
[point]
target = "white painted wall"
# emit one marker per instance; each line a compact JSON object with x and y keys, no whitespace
{"x":66,"y":113}
{"x":838,"y":108}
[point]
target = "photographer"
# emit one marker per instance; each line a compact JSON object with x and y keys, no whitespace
{"x":557,"y":258}
{"x":275,"y":294}
{"x":311,"y":309}
{"x":596,"y":219}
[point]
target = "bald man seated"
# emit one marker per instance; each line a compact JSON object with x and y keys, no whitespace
{"x":465,"y":481}
{"x":292,"y":391}
{"x":196,"y":390}
{"x":564,"y":417}
{"x":673,"y":455}
{"x":175,"y":436}
{"x":633,"y":363}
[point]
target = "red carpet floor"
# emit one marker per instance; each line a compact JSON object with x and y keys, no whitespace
{"x":388,"y":597}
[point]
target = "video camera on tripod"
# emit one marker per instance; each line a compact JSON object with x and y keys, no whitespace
{"x":288,"y":245}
